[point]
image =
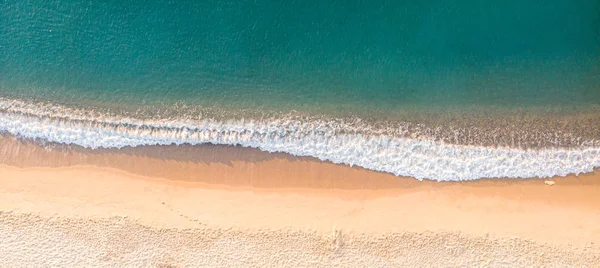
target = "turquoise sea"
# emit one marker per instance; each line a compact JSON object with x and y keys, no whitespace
{"x":441,"y":90}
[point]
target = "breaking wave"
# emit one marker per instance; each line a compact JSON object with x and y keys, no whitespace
{"x":333,"y":140}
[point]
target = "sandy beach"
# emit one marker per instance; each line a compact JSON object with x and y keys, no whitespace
{"x":218,"y":206}
{"x":299,"y":133}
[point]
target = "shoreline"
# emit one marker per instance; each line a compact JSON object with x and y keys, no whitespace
{"x":548,"y":127}
{"x":189,"y":160}
{"x":241,"y":194}
{"x":58,"y":154}
{"x":440,"y":154}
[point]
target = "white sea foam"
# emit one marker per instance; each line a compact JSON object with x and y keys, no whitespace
{"x":331,"y":141}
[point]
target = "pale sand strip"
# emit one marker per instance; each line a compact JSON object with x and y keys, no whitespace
{"x":245,"y":213}
{"x":32,"y":241}
{"x":95,"y":216}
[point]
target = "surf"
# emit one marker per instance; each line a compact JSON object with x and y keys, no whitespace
{"x":328,"y":141}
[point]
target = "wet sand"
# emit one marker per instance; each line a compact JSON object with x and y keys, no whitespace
{"x":224,"y":206}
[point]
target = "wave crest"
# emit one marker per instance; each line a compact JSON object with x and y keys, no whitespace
{"x":334,"y":141}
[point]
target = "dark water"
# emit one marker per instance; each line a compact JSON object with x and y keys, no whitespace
{"x":326,"y":58}
{"x":302,"y":53}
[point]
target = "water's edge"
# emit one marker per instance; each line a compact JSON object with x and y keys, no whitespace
{"x":339,"y":141}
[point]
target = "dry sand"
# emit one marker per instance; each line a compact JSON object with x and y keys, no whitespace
{"x":221,"y":206}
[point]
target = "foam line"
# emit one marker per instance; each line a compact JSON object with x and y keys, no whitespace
{"x":333,"y":141}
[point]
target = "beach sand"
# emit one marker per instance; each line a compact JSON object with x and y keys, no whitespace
{"x":224,"y":206}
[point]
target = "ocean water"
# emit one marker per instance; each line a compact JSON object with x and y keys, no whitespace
{"x":441,"y":90}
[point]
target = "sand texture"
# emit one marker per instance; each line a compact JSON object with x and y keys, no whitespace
{"x":214,"y":206}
